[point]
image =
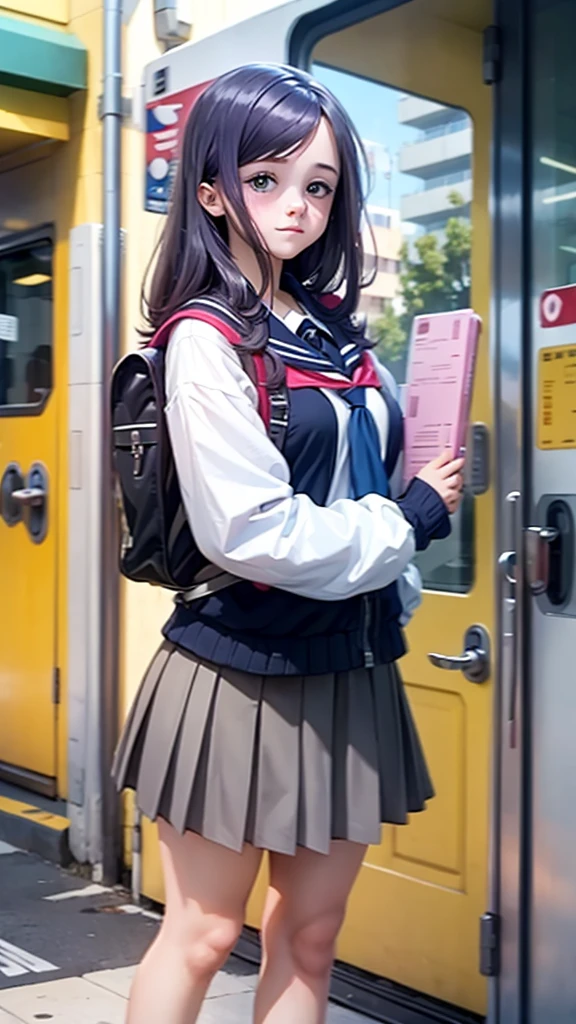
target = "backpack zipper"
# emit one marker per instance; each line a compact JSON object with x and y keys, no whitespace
{"x":367,"y":650}
{"x":136,"y":443}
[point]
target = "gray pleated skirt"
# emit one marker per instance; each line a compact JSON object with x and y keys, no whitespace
{"x":274,"y":761}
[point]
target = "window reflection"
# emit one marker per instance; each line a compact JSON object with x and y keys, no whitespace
{"x":420,"y":159}
{"x":25,"y":328}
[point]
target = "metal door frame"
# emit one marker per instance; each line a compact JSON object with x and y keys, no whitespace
{"x":328,"y":19}
{"x":510,"y":853}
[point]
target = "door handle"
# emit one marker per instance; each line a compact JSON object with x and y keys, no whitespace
{"x":459,"y":662}
{"x":29,"y":497}
{"x":12,"y":480}
{"x":474,"y":662}
{"x":537,"y":541}
{"x":509,"y":565}
{"x":31,"y":501}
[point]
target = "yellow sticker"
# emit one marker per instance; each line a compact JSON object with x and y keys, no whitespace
{"x":557,"y":397}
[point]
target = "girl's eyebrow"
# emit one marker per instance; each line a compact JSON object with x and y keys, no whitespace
{"x":284,"y":159}
{"x":328,"y":167}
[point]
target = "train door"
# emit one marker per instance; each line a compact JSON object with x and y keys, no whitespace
{"x":550,"y":516}
{"x":27,"y":513}
{"x":414,"y":914}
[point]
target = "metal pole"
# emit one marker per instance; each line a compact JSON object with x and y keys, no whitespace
{"x":109,"y":580}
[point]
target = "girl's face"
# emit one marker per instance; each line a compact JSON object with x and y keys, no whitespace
{"x":288,"y":198}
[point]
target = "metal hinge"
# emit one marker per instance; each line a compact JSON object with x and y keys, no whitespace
{"x":491,"y":55}
{"x":56,"y":686}
{"x":490,"y":945}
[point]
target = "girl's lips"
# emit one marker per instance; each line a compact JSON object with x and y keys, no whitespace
{"x":297,"y":231}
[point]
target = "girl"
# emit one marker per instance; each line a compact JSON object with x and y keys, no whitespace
{"x":273,"y":716}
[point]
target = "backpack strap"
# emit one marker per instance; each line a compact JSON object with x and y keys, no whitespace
{"x":209,"y":580}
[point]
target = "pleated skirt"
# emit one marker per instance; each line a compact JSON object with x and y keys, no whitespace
{"x":274,"y":761}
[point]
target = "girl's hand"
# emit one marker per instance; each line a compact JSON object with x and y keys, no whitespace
{"x":445,"y":476}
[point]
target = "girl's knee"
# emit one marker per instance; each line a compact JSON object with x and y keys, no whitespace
{"x":312,"y":943}
{"x":204,"y":943}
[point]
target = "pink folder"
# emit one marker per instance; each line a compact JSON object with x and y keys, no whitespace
{"x":439,"y":387}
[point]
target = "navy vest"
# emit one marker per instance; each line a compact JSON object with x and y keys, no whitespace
{"x":273,"y":632}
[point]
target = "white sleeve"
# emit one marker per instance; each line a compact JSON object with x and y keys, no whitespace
{"x":409,"y":592}
{"x":235,"y":486}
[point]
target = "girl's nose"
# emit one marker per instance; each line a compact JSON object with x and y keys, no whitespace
{"x":295,"y":204}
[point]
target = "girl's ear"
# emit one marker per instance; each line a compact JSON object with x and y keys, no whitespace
{"x":210,"y":199}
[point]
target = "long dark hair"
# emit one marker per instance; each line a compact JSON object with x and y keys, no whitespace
{"x":254,"y":112}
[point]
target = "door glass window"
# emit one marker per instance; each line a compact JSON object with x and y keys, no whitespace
{"x":25,"y":329}
{"x":420,"y":159}
{"x":554,"y":168}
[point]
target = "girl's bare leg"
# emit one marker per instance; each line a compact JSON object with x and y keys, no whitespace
{"x":304,"y":911}
{"x":207,"y":887}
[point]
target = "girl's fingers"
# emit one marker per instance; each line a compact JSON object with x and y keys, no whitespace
{"x":443,"y":459}
{"x":451,"y":468}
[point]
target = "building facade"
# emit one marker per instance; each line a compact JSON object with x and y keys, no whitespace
{"x":383,"y":249}
{"x":440,"y":159}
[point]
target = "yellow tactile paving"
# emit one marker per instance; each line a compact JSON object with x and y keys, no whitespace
{"x":31,"y":813}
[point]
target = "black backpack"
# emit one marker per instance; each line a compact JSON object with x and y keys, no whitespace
{"x":157,"y":545}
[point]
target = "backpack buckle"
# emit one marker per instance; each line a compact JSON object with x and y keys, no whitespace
{"x":136,"y":451}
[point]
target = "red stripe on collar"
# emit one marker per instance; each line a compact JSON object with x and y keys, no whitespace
{"x":364,"y":376}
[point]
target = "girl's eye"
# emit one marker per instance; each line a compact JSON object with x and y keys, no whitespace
{"x":319,"y":189}
{"x":262,"y":182}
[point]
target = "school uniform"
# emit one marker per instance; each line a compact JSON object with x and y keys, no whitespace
{"x":274,"y":712}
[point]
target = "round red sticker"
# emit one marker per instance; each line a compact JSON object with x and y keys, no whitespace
{"x":551,"y":307}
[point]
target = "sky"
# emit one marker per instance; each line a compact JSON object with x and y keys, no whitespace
{"x":374,"y":110}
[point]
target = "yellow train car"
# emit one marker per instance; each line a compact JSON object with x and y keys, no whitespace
{"x":468,"y":111}
{"x":48,"y":118}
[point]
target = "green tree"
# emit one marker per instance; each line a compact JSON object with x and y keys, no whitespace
{"x":435,"y":279}
{"x":390,"y":336}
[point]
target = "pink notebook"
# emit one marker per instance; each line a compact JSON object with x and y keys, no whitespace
{"x":439,"y":387}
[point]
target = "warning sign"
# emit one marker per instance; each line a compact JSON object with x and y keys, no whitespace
{"x":557,"y":397}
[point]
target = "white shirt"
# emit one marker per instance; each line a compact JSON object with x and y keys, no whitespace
{"x":235,"y":484}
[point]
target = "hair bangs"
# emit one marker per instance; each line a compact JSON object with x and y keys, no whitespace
{"x":279,"y":124}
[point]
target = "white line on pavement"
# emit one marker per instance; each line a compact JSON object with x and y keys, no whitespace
{"x":88,"y":890}
{"x":15,"y":961}
{"x":6,"y":848}
{"x":131,"y":908}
